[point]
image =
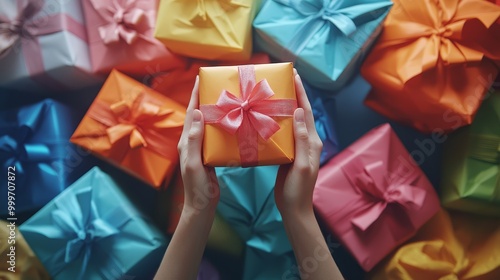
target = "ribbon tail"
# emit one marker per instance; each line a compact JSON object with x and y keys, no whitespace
{"x":367,"y":217}
{"x":248,"y":142}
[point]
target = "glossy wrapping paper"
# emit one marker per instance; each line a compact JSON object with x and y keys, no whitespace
{"x":434,"y":62}
{"x":372,"y":196}
{"x":178,"y":83}
{"x":275,"y":87}
{"x":134,"y":128}
{"x":27,"y":265}
{"x":222,"y":236}
{"x":51,"y":54}
{"x":224,"y":25}
{"x":120,"y":36}
{"x":34,"y":139}
{"x":247,"y":204}
{"x":92,"y":231}
{"x":326,"y":40}
{"x":471,"y":165}
{"x":451,"y":245}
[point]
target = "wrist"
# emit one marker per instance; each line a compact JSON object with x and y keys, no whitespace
{"x":294,"y":214}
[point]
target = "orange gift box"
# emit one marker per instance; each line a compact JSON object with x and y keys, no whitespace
{"x":434,"y":62}
{"x":248,"y":114}
{"x":134,"y":128}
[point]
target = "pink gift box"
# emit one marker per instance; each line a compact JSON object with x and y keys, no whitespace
{"x":120,"y":35}
{"x":373,"y":196}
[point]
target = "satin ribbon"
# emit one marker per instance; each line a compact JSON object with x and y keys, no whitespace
{"x":25,"y":29}
{"x":325,"y":130}
{"x":78,"y":221}
{"x":123,"y":18}
{"x":371,"y":181}
{"x":214,"y":13}
{"x":141,"y":120}
{"x":436,"y":36}
{"x":249,"y":116}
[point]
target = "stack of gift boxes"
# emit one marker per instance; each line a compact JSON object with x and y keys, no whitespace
{"x":93,"y":99}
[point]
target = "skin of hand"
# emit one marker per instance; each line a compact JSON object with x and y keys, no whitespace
{"x":294,"y":194}
{"x":201,"y":191}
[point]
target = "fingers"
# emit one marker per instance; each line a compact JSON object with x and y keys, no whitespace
{"x":301,"y":134}
{"x":193,"y":103}
{"x":194,"y":142}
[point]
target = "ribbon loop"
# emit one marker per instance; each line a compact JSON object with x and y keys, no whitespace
{"x":250,"y":115}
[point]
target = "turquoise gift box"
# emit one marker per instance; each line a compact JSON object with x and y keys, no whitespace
{"x":327,"y":40}
{"x":92,"y":231}
{"x":247,"y":204}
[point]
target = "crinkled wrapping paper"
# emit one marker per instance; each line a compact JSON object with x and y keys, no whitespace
{"x":327,"y":40}
{"x":133,"y":127}
{"x":381,"y":196}
{"x":27,"y":266}
{"x":120,"y":36}
{"x":224,"y":25}
{"x":471,"y":165}
{"x":92,"y":231}
{"x":178,"y":83}
{"x":56,"y":59}
{"x":434,"y":62}
{"x":34,"y":139}
{"x":220,"y":148}
{"x":451,"y":245}
{"x":247,"y":204}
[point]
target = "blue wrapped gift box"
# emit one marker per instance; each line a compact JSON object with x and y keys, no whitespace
{"x":92,"y":231}
{"x":327,"y":40}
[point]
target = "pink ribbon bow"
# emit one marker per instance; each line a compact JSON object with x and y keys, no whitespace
{"x":249,"y":116}
{"x":382,"y":191}
{"x":123,"y":17}
{"x":24,"y":28}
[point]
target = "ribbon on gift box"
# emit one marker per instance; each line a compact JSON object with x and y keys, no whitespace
{"x":78,"y":221}
{"x":249,"y":116}
{"x":214,"y":14}
{"x":381,"y":189}
{"x":137,"y":120}
{"x":438,"y":38}
{"x":329,"y":14}
{"x":325,"y":131}
{"x":23,"y":31}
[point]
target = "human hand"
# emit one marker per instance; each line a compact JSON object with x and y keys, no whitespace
{"x":295,"y":182}
{"x":201,"y":189}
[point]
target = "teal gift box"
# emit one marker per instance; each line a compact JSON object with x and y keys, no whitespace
{"x":327,"y":40}
{"x":92,"y":231}
{"x":247,"y":204}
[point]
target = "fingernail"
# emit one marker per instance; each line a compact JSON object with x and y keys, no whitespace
{"x":299,"y":115}
{"x":196,"y":115}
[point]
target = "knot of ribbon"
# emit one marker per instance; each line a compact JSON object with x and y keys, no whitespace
{"x":123,"y":17}
{"x":78,"y":221}
{"x":25,"y":28}
{"x":382,"y":191}
{"x":250,"y":115}
{"x":140,"y":120}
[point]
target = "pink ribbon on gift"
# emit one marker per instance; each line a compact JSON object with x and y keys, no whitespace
{"x":140,"y":120}
{"x":124,"y":18}
{"x":249,"y":116}
{"x":371,"y":181}
{"x":25,"y":29}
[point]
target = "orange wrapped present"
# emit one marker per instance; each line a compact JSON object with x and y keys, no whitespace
{"x":133,"y":127}
{"x":248,"y":114}
{"x":178,"y":83}
{"x":434,"y":62}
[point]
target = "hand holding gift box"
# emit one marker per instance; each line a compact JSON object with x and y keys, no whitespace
{"x":133,"y":127}
{"x":471,"y":166}
{"x":327,"y":40}
{"x":373,"y":197}
{"x":92,"y":231}
{"x":43,"y":46}
{"x":434,"y":62}
{"x":121,"y":36}
{"x":248,"y":114}
{"x":451,"y":245}
{"x":224,"y":25}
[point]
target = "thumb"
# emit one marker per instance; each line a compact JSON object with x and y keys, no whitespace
{"x":301,"y":136}
{"x":195,"y":135}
